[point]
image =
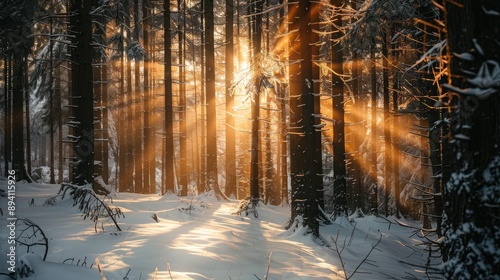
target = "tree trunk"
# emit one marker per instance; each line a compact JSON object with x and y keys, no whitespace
{"x":230,"y":132}
{"x":183,"y":170}
{"x":18,"y":86}
{"x":148,"y":147}
{"x":256,"y":39}
{"x":98,"y":116}
{"x":356,"y":129}
{"x":82,"y":92}
{"x":373,"y":139}
{"x":395,"y":141}
{"x":59,"y":116}
{"x":7,"y":113}
{"x":283,"y":136}
{"x":129,"y":136}
{"x":339,"y":165}
{"x":169,"y":120}
{"x":27,"y":116}
{"x":471,"y":195}
{"x":105,"y":123}
{"x":202,"y":187}
{"x":302,"y":119}
{"x":316,"y":102}
{"x":387,"y":129}
{"x":212,"y":174}
{"x":295,"y":118}
{"x":123,"y":185}
{"x":138,"y":123}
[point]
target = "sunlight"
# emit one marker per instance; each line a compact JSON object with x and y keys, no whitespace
{"x":198,"y":241}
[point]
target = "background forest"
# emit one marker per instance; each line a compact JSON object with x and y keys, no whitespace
{"x":334,"y":107}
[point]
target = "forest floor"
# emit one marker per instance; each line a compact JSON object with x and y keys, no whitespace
{"x":201,"y":238}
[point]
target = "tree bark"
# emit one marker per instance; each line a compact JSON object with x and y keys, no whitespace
{"x":82,"y":92}
{"x":339,"y":165}
{"x":230,"y":132}
{"x":169,"y":131}
{"x":256,"y":39}
{"x":202,"y":187}
{"x":387,"y":129}
{"x":212,"y":174}
{"x":471,"y":195}
{"x":302,"y":119}
{"x":149,"y":148}
{"x":373,"y":139}
{"x":7,"y":113}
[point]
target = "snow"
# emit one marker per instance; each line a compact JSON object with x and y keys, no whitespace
{"x":199,"y":237}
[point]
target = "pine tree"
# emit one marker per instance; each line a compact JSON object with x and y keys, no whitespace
{"x":472,"y":195}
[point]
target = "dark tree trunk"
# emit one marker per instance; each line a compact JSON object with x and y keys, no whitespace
{"x":283,"y":137}
{"x":212,"y":174}
{"x":295,"y":119}
{"x":316,"y":98}
{"x":100,"y":143}
{"x":149,"y":149}
{"x":18,"y":127}
{"x":7,"y":114}
{"x":27,"y":116}
{"x":310,"y":154}
{"x":98,"y":117}
{"x":51,"y":105}
{"x":339,"y":165}
{"x":169,"y":120}
{"x":374,"y":176}
{"x":254,"y":150}
{"x":82,"y":92}
{"x":387,"y":129}
{"x":123,"y":185}
{"x":183,"y":170}
{"x":471,"y":195}
{"x":302,"y":119}
{"x":202,"y":187}
{"x":357,"y":130}
{"x":126,"y":109}
{"x":395,"y":142}
{"x":105,"y":123}
{"x":138,"y":123}
{"x":256,"y":40}
{"x":59,"y":116}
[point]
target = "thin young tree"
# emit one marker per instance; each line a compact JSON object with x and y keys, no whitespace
{"x":138,"y":108}
{"x":7,"y":113}
{"x":181,"y":32}
{"x":230,"y":124}
{"x":373,"y":134}
{"x":339,"y":165}
{"x":169,"y":120}
{"x":149,"y":149}
{"x":212,"y":174}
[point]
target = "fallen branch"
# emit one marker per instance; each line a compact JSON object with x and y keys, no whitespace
{"x":91,"y":205}
{"x":365,"y":260}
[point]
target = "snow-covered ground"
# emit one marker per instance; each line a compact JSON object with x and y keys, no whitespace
{"x":200,"y":238}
